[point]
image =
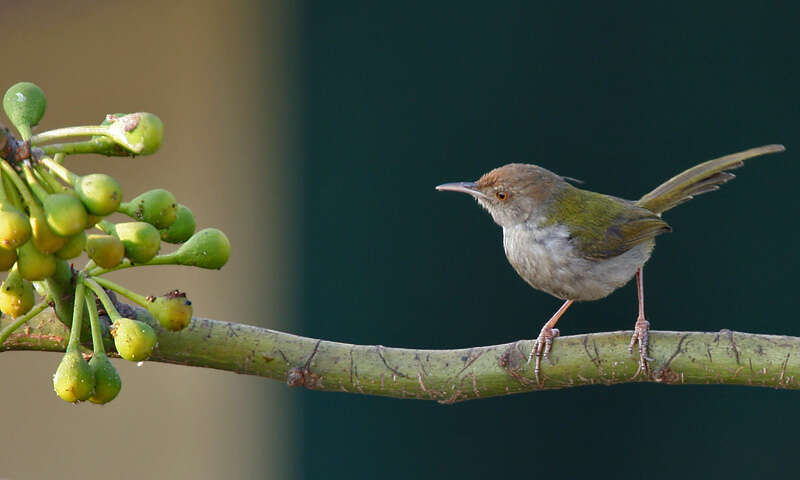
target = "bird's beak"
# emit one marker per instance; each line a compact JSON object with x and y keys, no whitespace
{"x":463,"y":187}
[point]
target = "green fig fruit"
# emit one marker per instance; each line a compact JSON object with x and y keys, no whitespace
{"x":182,"y":228}
{"x":73,"y":247}
{"x":143,"y":131}
{"x":25,"y":104}
{"x":65,"y":213}
{"x":63,"y":275}
{"x":157,"y":207}
{"x":107,"y":251}
{"x":7,"y":259}
{"x":107,"y":383}
{"x":173,"y":310}
{"x":134,"y":340}
{"x":16,"y":295}
{"x":142,"y":241}
{"x":100,"y":193}
{"x":208,"y":248}
{"x":44,"y":239}
{"x":74,"y":380}
{"x":14,"y":227}
{"x":34,"y":265}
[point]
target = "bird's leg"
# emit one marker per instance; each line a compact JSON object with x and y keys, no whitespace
{"x":641,"y":328}
{"x":544,"y":343}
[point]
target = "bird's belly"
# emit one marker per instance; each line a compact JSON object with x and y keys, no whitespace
{"x":546,"y":259}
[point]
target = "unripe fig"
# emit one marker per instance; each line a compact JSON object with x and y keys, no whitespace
{"x":173,"y":311}
{"x":107,"y":383}
{"x":65,"y":213}
{"x":25,"y":104}
{"x":34,"y":265}
{"x":182,"y":228}
{"x":107,"y":251}
{"x":142,"y":241}
{"x":14,"y":227}
{"x":74,"y":380}
{"x":134,"y":340}
{"x":208,"y":248}
{"x":63,"y":275}
{"x":100,"y":193}
{"x":157,"y":207}
{"x":16,"y":295}
{"x":7,"y":259}
{"x":73,"y":248}
{"x":44,"y":239}
{"x":144,"y":132}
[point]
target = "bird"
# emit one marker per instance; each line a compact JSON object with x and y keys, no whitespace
{"x":578,"y":245}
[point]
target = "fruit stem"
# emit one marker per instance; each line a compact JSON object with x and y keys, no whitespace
{"x":61,"y":171}
{"x":34,"y":184}
{"x":70,"y":148}
{"x":140,"y":299}
{"x":111,"y":310}
{"x":97,"y":332}
{"x":107,"y":227}
{"x":19,"y":184}
{"x":50,"y":179}
{"x":19,"y":321}
{"x":77,"y":317}
{"x":70,"y":132}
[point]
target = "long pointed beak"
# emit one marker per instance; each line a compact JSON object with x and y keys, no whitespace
{"x":463,"y":187}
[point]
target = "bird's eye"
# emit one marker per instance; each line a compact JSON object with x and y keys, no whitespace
{"x":501,"y":195}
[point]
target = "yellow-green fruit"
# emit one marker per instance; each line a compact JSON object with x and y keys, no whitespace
{"x":173,"y":311}
{"x":157,"y":207}
{"x":134,"y":340}
{"x":182,"y":228}
{"x":25,"y":104}
{"x":65,"y":214}
{"x":34,"y":265}
{"x":107,"y":383}
{"x":73,"y":248}
{"x":100,"y":193}
{"x":74,"y":379}
{"x":16,"y":295}
{"x":144,"y":131}
{"x":208,"y":248}
{"x":44,"y":239}
{"x":7,"y":259}
{"x":14,"y":227}
{"x":106,"y":250}
{"x":142,"y":241}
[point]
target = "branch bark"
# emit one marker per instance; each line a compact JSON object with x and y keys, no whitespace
{"x":450,"y":376}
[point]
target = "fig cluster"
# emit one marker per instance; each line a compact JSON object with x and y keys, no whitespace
{"x":50,"y":216}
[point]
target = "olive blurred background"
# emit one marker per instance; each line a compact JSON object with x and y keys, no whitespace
{"x":313,"y":133}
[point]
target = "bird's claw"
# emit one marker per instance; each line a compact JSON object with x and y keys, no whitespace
{"x":541,"y":348}
{"x":641,"y":336}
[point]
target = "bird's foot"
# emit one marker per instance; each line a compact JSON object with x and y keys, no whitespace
{"x":541,"y":348}
{"x":640,"y":336}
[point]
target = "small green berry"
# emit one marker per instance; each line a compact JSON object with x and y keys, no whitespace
{"x":182,"y":228}
{"x":173,"y":310}
{"x":107,"y":383}
{"x":25,"y":104}
{"x":74,"y":380}
{"x":134,"y":340}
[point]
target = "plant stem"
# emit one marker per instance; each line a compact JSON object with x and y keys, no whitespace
{"x":97,"y":332}
{"x":104,"y":299}
{"x":140,"y":299}
{"x":18,"y":183}
{"x":69,"y":132}
{"x":77,"y":317}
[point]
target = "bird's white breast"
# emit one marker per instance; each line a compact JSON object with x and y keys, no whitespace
{"x":546,"y":258}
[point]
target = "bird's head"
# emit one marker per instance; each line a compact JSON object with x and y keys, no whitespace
{"x":514,"y":193}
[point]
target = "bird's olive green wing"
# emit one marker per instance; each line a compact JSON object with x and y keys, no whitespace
{"x":602,"y":226}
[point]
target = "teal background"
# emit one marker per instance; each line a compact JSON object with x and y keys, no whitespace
{"x":397,"y":98}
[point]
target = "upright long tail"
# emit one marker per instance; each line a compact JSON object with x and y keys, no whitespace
{"x":706,"y":177}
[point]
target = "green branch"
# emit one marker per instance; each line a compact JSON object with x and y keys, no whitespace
{"x":449,"y":376}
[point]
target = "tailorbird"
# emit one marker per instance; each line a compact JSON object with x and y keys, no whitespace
{"x":579,"y":245}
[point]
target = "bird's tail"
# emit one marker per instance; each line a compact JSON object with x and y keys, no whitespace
{"x":706,"y":177}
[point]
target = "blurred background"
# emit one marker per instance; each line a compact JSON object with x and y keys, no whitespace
{"x":313,"y":133}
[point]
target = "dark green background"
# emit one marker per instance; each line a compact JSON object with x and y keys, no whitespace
{"x":399,"y":98}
